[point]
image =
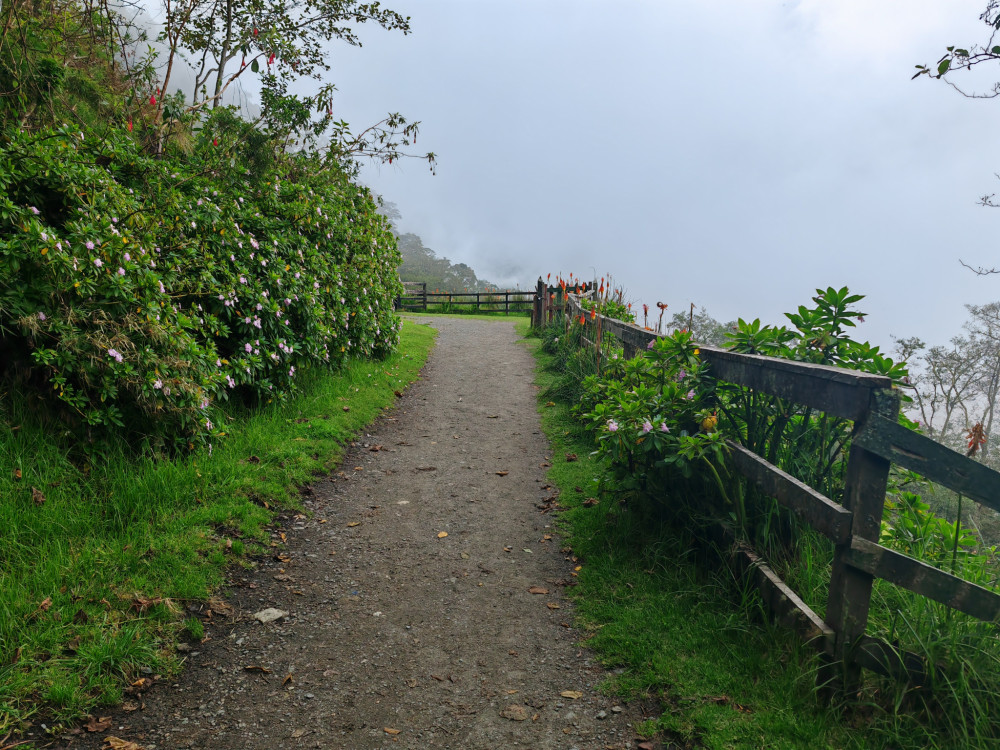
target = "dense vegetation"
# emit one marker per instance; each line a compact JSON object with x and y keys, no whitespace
{"x":660,"y":423}
{"x":158,"y":259}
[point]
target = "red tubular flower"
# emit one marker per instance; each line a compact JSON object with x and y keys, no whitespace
{"x":152,"y":99}
{"x":129,"y":126}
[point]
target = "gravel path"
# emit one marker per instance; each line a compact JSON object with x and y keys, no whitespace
{"x":411,"y":621}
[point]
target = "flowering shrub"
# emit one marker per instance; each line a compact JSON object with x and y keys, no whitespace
{"x":142,"y":291}
{"x":654,"y":417}
{"x":660,"y":419}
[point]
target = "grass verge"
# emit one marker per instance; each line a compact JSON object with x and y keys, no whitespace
{"x":97,"y":564}
{"x":688,"y":640}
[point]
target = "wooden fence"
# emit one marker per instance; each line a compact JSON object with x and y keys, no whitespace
{"x":416,"y":297}
{"x":854,"y":527}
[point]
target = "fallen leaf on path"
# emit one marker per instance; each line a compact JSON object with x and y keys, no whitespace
{"x":17,"y":473}
{"x":646,"y":746}
{"x":288,"y":678}
{"x":411,"y":683}
{"x":552,"y":605}
{"x":131,"y":706}
{"x":511,"y":692}
{"x":590,"y":502}
{"x":502,"y":473}
{"x":550,"y":403}
{"x":514,"y":712}
{"x":538,"y":590}
{"x":255,"y":668}
{"x":442,"y":534}
{"x":375,"y":448}
{"x":298,"y":733}
{"x":397,"y":394}
{"x":571,"y":457}
{"x":427,"y":468}
{"x":114,"y":743}
{"x":492,"y":416}
{"x":37,"y":496}
{"x":389,"y":730}
{"x":347,"y":408}
{"x":98,"y":725}
{"x":574,"y":694}
{"x":352,"y":524}
{"x":439,"y":678}
{"x":46,"y":604}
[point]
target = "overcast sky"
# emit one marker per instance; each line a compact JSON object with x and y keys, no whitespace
{"x":736,"y":155}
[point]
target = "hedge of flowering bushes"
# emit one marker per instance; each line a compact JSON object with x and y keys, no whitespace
{"x":138,"y":292}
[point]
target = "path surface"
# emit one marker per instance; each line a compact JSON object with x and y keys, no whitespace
{"x":398,"y":636}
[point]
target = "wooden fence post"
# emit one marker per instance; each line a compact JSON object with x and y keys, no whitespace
{"x":423,"y":293}
{"x":537,"y":310}
{"x":850,"y":588}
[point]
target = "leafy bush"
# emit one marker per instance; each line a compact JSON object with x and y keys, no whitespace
{"x":139,"y":291}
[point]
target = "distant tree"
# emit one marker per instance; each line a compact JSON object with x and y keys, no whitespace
{"x":706,"y":329}
{"x":955,"y":387}
{"x":942,"y":383}
{"x":420,"y":263}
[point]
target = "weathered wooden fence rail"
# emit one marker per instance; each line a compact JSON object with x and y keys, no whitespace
{"x":416,"y":297}
{"x":853,"y":527}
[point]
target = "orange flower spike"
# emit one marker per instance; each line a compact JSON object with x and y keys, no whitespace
{"x":593,"y":313}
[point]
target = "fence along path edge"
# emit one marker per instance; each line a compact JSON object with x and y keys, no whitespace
{"x":854,"y":527}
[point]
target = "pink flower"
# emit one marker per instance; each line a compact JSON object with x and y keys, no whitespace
{"x":115,"y":355}
{"x":612,"y":426}
{"x":650,"y":344}
{"x":41,"y":316}
{"x":664,"y":428}
{"x":121,"y":271}
{"x":158,"y":384}
{"x":98,"y":262}
{"x":34,"y":210}
{"x":646,"y":426}
{"x":128,"y":257}
{"x":690,"y":395}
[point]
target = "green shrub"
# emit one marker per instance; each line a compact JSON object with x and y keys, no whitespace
{"x":137,"y":292}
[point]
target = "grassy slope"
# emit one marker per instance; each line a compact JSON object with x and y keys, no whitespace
{"x":92,"y":579}
{"x":724,"y":677}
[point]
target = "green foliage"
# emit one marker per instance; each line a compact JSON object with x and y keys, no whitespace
{"x":611,"y":307}
{"x":141,"y":292}
{"x":660,"y":442}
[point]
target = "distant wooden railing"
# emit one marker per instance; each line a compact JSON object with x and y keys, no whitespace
{"x":878,"y":441}
{"x":416,"y":297}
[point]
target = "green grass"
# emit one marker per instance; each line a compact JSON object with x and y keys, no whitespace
{"x":682,"y":635}
{"x":95,"y":578}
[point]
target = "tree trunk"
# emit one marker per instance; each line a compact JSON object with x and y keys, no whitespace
{"x":224,"y":54}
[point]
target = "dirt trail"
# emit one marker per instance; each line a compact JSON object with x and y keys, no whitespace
{"x":396,"y":635}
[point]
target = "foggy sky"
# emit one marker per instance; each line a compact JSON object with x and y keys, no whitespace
{"x":737,"y":155}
